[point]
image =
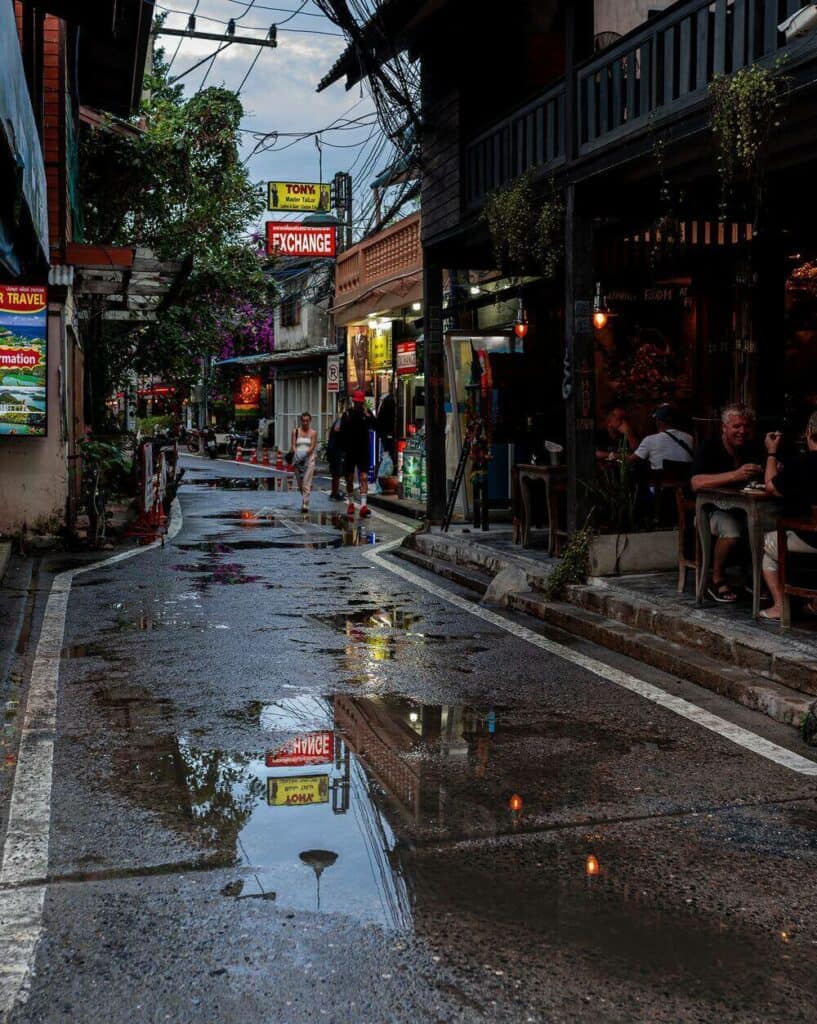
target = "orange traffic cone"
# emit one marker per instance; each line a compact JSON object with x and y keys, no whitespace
{"x":254,"y":457}
{"x":279,"y":459}
{"x":239,"y":455}
{"x":265,"y":458}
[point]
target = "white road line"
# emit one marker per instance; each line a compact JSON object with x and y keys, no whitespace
{"x":25,"y":850}
{"x":401,"y":524}
{"x":742,"y":737}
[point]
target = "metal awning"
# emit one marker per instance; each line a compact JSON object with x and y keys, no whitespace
{"x":130,"y":283}
{"x":296,"y":355}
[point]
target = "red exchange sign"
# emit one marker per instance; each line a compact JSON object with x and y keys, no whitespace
{"x":311,"y":748}
{"x":290,"y":239}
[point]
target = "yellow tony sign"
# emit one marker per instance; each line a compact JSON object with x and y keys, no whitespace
{"x":297,"y":195}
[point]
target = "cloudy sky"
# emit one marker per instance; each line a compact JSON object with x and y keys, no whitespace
{"x":279,"y":94}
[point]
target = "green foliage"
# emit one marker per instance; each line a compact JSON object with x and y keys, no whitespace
{"x":526,"y":229}
{"x":112,"y":462}
{"x":173,"y":181}
{"x":746,"y":108}
{"x":149,"y":424}
{"x":574,"y":565}
{"x":615,"y":495}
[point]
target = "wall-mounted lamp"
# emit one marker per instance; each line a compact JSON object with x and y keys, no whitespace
{"x":600,"y":312}
{"x":475,"y":289}
{"x":416,"y":306}
{"x":520,"y":327}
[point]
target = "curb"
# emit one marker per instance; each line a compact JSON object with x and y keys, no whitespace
{"x":5,"y":557}
{"x":707,"y":665}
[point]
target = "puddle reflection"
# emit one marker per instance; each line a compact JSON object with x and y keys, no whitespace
{"x":333,"y":816}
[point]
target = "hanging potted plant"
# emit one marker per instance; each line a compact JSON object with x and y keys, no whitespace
{"x":526,"y":229}
{"x":746,"y":110}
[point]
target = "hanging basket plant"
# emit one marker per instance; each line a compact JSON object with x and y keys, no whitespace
{"x":526,"y":229}
{"x":746,"y":109}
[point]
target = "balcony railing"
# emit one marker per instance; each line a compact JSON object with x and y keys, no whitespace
{"x":383,"y":257}
{"x":657,"y":70}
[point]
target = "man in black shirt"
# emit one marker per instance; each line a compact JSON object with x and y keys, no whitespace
{"x":795,"y":481}
{"x":354,"y":437}
{"x":730,"y":460}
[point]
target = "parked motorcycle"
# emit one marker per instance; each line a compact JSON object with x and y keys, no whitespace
{"x":210,"y":443}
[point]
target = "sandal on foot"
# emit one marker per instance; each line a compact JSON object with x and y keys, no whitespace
{"x":765,"y":615}
{"x":722,"y":593}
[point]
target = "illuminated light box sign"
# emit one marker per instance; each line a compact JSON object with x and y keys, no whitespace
{"x":247,"y":395}
{"x":289,"y":239}
{"x":311,"y":748}
{"x":23,"y":360}
{"x":307,"y":196}
{"x":406,"y":357}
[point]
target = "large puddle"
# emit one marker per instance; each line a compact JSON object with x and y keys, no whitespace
{"x":351,"y":805}
{"x":362,"y":778}
{"x":266,"y":528}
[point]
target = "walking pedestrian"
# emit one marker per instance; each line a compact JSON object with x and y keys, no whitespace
{"x":386,"y":416}
{"x":357,"y":422}
{"x":304,"y":443}
{"x":334,"y":455}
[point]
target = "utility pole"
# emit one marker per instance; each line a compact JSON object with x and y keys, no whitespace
{"x":342,"y":203}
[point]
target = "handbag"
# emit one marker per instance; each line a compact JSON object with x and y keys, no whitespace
{"x":289,"y":458}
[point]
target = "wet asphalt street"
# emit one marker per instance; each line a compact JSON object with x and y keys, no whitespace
{"x":290,"y":785}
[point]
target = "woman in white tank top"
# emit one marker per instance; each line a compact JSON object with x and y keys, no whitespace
{"x":304,"y":442}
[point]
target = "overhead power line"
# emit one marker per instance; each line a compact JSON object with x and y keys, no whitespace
{"x":268,"y":40}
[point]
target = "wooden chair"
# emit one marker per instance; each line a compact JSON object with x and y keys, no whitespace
{"x":797,"y":589}
{"x":689,"y":554}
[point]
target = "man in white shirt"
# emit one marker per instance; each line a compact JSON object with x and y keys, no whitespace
{"x":668,"y":444}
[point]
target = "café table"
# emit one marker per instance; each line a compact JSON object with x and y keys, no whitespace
{"x":759,"y":508}
{"x":554,"y":478}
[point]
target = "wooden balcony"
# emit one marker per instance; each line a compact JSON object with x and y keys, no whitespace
{"x":379,"y":262}
{"x":658,"y":73}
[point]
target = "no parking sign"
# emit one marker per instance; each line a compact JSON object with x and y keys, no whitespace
{"x":333,"y":374}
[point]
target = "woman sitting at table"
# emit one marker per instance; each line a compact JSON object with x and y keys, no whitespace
{"x":795,"y":481}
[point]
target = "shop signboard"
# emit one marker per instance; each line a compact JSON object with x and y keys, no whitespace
{"x":287,"y":238}
{"x":406,"y":357}
{"x":307,"y":749}
{"x":379,"y":352}
{"x":23,"y":360}
{"x":358,"y":371}
{"x":247,"y":395}
{"x":303,"y":196}
{"x":333,"y":374}
{"x":297,"y":790}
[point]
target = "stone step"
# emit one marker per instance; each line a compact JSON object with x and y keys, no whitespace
{"x":780,"y":659}
{"x":634,"y":629}
{"x":742,"y":684}
{"x":467,"y":578}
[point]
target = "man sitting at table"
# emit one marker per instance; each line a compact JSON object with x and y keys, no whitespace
{"x":794,"y":479}
{"x":668,"y":444}
{"x":617,"y":434}
{"x":730,"y":460}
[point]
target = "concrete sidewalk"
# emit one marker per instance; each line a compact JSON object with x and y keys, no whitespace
{"x":719,"y":647}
